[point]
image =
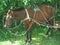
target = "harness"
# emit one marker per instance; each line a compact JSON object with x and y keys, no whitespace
{"x":36,"y":9}
{"x":27,"y":16}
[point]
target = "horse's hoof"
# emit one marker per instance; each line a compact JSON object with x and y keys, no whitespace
{"x":46,"y":36}
{"x":50,"y":37}
{"x":28,"y":41}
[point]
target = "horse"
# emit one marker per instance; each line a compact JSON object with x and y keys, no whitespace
{"x":44,"y":15}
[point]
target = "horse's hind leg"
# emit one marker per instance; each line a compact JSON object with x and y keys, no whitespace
{"x":49,"y":30}
{"x":51,"y":22}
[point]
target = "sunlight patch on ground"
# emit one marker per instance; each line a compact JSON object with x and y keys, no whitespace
{"x":10,"y":43}
{"x":5,"y":43}
{"x":36,"y":39}
{"x":16,"y":43}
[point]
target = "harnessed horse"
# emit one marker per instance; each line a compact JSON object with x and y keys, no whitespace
{"x":43,"y":14}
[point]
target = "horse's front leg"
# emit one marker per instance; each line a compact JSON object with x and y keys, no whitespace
{"x":29,"y":32}
{"x":29,"y":36}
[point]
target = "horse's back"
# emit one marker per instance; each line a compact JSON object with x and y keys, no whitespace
{"x":45,"y":12}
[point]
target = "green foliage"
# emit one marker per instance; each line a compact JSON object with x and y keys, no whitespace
{"x":13,"y":4}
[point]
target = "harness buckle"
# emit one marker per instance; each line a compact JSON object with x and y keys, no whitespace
{"x":36,"y":9}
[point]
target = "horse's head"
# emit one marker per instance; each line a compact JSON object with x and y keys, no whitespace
{"x":9,"y":19}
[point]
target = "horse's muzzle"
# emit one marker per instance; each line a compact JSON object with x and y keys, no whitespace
{"x":5,"y":26}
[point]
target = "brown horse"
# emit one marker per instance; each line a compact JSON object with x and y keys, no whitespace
{"x":43,"y":14}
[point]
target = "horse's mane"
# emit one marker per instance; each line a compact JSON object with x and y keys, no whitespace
{"x":19,"y":9}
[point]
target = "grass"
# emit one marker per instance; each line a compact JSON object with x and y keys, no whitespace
{"x":38,"y":37}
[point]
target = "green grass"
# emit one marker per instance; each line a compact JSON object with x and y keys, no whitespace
{"x":38,"y":37}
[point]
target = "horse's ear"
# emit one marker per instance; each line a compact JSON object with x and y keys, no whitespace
{"x":10,"y":11}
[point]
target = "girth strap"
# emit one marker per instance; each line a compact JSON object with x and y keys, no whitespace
{"x":27,"y":14}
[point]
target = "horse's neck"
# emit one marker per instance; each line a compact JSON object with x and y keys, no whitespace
{"x":19,"y":14}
